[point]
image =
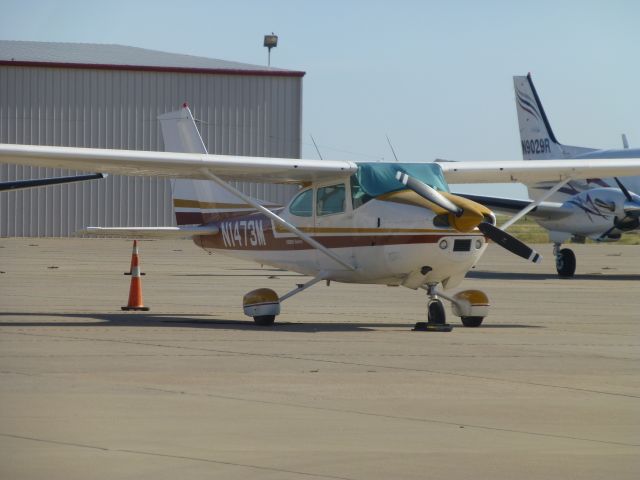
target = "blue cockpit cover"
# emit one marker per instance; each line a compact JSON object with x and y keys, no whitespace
{"x":380,"y":178}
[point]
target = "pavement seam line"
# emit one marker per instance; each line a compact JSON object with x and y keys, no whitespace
{"x":167,"y":455}
{"x":336,"y":362}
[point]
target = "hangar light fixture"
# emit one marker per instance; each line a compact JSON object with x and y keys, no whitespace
{"x":270,"y":41}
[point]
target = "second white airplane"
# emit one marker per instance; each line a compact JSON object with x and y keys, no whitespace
{"x":601,"y":209}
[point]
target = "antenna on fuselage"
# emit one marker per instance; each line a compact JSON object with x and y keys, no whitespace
{"x":316,"y":145}
{"x":392,"y":150}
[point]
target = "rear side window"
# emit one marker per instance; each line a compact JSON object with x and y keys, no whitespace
{"x":302,"y":205}
{"x":330,"y":199}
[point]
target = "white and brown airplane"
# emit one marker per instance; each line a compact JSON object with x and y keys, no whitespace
{"x":373,"y":223}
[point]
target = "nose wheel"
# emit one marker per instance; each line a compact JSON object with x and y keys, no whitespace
{"x":436,"y":316}
{"x":436,"y":313}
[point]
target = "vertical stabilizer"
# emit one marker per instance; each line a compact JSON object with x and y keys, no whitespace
{"x":195,"y":202}
{"x":537,"y":138}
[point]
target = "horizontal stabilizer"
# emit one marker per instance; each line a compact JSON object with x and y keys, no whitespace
{"x":149,"y":232}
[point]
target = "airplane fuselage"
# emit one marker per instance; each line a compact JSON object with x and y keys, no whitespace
{"x":595,"y":212}
{"x":386,"y":242}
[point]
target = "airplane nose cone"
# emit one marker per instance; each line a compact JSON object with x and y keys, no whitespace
{"x":466,"y":222}
{"x":472,"y":213}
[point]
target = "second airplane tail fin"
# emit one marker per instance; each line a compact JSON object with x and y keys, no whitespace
{"x":536,"y":136}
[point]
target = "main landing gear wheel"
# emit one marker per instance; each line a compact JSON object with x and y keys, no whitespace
{"x":263,"y":305}
{"x":264,"y":320}
{"x":471,"y":321}
{"x":566,"y":263}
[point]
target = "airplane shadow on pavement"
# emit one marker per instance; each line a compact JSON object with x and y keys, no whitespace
{"x":550,"y":276}
{"x":37,"y":319}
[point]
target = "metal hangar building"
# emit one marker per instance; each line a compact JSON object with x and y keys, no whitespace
{"x":109,"y":96}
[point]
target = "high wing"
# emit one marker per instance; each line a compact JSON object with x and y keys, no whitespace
{"x":534,"y":171}
{"x":287,"y":170}
{"x":176,"y":165}
{"x":546,"y":210}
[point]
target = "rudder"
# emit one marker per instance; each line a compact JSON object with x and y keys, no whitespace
{"x":195,"y":202}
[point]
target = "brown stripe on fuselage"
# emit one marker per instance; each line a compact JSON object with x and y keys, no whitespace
{"x":203,"y":218}
{"x":340,"y":238}
{"x":312,"y":230}
{"x":206,"y":218}
{"x":185,"y":203}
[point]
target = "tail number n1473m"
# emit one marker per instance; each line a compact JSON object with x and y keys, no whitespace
{"x":243,"y":233}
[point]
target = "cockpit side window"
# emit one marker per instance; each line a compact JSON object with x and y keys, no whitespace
{"x":330,"y":199}
{"x":302,"y":205}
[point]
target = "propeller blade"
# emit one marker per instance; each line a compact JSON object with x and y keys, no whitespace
{"x":604,"y":235}
{"x":428,"y":193}
{"x":624,"y":189}
{"x":509,"y":242}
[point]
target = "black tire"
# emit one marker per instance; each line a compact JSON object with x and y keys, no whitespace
{"x":436,"y":313}
{"x":264,"y":320}
{"x":472,"y":322}
{"x":566,"y":263}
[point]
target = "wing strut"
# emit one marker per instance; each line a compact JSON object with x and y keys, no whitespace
{"x":279,"y":220}
{"x":303,"y":286}
{"x":533,"y":205}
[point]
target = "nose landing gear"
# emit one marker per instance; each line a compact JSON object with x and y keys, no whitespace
{"x":470,"y":305}
{"x":436,"y":316}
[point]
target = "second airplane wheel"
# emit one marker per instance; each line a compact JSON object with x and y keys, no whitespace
{"x":566,"y":263}
{"x":436,"y":312}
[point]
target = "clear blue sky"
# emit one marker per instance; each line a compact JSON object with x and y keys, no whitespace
{"x":434,"y":76}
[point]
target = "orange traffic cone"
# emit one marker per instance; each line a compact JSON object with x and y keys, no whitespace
{"x":135,"y":291}
{"x":133,"y":254}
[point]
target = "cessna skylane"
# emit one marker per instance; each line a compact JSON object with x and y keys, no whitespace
{"x":393,"y":224}
{"x":598,"y":208}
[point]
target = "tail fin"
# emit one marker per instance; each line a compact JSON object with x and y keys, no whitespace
{"x":536,"y":136}
{"x":196,"y":202}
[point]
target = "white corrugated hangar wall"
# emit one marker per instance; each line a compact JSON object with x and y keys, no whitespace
{"x":239,"y":112}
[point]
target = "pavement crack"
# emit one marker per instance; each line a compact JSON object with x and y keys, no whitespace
{"x":340,"y":362}
{"x":394,"y":417}
{"x":176,"y":457}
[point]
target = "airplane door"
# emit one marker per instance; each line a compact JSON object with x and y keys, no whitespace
{"x":334,"y":224}
{"x":300,"y":213}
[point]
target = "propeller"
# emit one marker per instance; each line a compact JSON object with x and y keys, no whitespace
{"x":500,"y":237}
{"x":624,"y":189}
{"x":632,"y":205}
{"x":429,"y":193}
{"x":631,"y":208}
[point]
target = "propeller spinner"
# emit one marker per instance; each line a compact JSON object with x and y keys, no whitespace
{"x":463,"y":218}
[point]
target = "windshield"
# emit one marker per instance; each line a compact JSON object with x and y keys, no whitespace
{"x":380,"y":178}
